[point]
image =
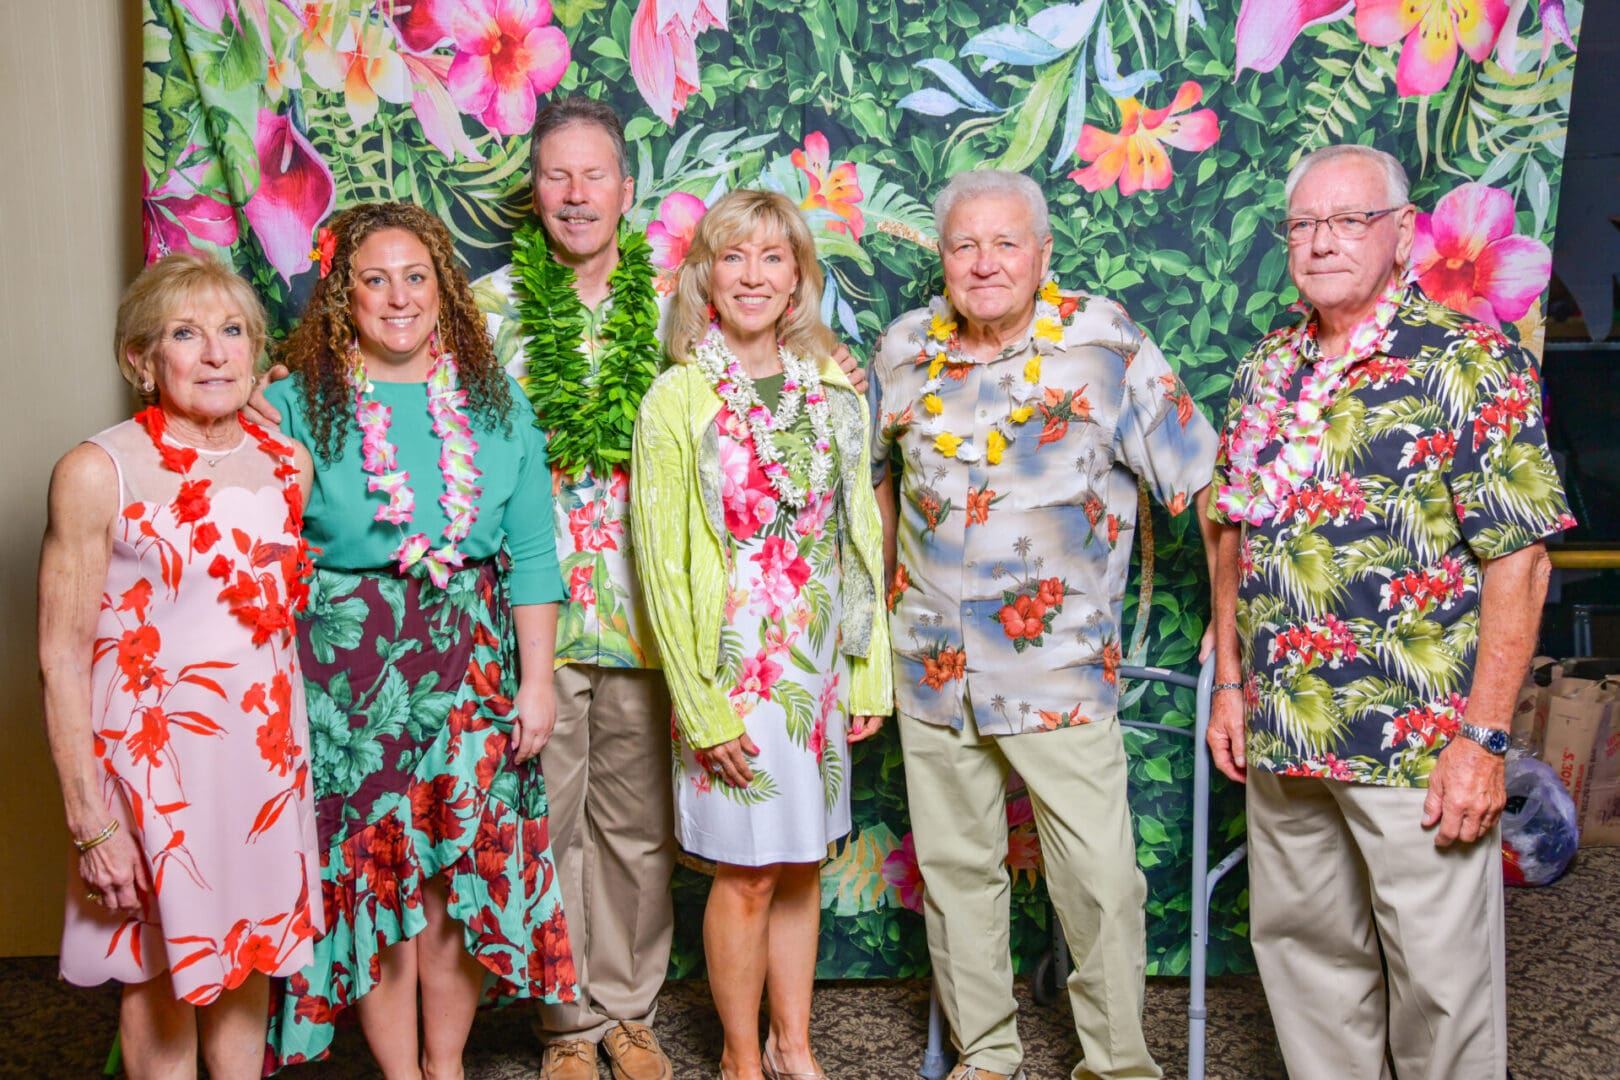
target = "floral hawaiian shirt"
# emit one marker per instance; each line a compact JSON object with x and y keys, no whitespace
{"x":602,"y":621}
{"x":1358,"y":607}
{"x":1012,"y":572}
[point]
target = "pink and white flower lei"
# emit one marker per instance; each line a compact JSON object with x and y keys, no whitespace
{"x":380,"y":458}
{"x":1254,"y":493}
{"x":801,"y":387}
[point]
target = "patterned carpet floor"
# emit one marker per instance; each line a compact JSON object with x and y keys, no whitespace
{"x":1563,"y":1012}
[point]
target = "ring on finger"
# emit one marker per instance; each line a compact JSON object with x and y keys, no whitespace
{"x":94,"y":897}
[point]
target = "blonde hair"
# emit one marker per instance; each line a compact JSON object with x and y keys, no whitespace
{"x":738,"y":215}
{"x":161,"y":292}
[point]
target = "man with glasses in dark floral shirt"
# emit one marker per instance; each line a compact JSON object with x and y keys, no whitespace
{"x":1383,"y":491}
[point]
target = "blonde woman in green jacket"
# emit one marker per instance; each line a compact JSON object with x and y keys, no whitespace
{"x":761,"y":553}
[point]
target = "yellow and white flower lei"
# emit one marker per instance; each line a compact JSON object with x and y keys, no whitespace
{"x":937,"y":346}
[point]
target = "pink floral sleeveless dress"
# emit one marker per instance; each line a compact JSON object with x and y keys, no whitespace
{"x":198,"y":711}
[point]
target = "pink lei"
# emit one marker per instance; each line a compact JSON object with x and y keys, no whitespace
{"x":446,"y":404}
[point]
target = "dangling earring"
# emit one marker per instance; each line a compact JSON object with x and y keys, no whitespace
{"x":790,"y":307}
{"x":714,"y":313}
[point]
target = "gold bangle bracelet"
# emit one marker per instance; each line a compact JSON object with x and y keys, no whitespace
{"x":100,"y":838}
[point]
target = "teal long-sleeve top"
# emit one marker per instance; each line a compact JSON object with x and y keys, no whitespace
{"x":515,"y":506}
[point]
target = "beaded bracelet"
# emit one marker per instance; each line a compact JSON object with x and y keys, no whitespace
{"x":100,"y":838}
{"x":1226,"y":686}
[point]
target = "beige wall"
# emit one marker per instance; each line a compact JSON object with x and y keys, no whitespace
{"x":70,"y":233}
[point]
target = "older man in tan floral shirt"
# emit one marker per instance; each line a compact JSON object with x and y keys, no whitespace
{"x":1019,"y":419}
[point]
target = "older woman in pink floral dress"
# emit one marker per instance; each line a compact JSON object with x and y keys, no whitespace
{"x":168,"y":577}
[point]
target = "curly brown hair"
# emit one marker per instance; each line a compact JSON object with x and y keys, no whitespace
{"x":318,"y":347}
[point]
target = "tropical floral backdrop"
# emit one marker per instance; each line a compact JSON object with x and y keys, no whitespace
{"x":1161,"y":129}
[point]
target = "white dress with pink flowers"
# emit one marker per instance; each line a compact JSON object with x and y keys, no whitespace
{"x":785,"y":676}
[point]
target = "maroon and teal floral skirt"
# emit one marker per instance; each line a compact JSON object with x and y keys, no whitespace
{"x":410,"y":712}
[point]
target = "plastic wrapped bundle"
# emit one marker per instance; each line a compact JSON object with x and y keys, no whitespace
{"x":1539,"y":830}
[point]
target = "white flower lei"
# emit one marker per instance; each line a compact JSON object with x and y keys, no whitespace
{"x":801,"y":388}
{"x":938,"y":345}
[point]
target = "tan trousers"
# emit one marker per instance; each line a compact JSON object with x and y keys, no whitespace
{"x":1339,"y":873}
{"x":956,"y":783}
{"x":607,"y":770}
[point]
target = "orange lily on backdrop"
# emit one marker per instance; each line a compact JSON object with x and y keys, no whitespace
{"x":1135,"y":157}
{"x":362,"y":62}
{"x":835,"y":189}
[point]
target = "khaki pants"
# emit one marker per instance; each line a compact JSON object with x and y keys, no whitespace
{"x":957,"y":784}
{"x":607,"y":770}
{"x":1340,"y":874}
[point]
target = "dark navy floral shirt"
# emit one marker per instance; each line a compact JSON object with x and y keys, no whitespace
{"x":1358,"y":608}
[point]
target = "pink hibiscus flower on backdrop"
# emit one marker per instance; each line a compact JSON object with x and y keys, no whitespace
{"x":180,"y":211}
{"x":663,"y":50}
{"x":900,"y":870}
{"x":671,"y":232}
{"x":1466,"y":256}
{"x":1135,"y":158}
{"x":835,"y":189}
{"x":507,"y":55}
{"x":782,"y":573}
{"x":1433,"y":30}
{"x":295,"y":194}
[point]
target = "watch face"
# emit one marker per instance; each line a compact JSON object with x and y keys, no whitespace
{"x":1497,"y":742}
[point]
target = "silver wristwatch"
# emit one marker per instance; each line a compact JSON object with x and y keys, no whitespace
{"x":1492,"y":739}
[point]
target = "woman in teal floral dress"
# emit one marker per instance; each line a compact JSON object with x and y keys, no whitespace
{"x":760,"y":552}
{"x":427,"y":653}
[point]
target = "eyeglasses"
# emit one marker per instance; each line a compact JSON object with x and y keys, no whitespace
{"x":1349,"y":226}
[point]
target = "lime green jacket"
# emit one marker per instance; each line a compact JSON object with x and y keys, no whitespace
{"x":685,"y":554}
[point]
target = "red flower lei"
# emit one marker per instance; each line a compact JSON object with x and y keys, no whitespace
{"x":192,"y":505}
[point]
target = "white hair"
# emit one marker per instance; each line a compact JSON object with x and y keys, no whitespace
{"x":1395,"y":182}
{"x":978,"y":182}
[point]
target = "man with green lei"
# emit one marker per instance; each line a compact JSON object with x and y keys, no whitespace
{"x":576,"y":317}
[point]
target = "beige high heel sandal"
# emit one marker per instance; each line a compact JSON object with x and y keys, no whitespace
{"x":767,"y":1065}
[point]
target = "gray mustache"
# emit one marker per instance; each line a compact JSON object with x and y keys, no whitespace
{"x":581,"y":214}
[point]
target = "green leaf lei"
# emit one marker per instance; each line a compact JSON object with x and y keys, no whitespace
{"x":588,"y":419}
